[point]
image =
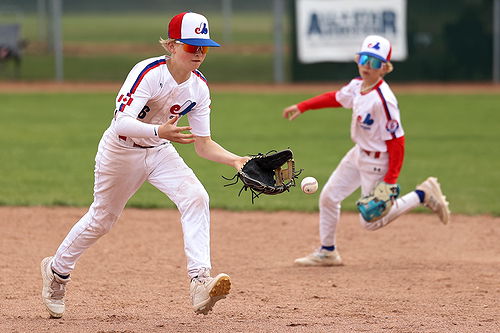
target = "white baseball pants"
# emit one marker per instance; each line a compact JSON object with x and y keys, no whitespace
{"x":356,"y":169}
{"x":119,"y":172}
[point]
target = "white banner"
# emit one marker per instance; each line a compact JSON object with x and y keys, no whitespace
{"x":333,"y":30}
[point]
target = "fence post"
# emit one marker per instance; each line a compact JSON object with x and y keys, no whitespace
{"x":56,"y":8}
{"x":496,"y":41}
{"x":227,"y":13}
{"x":42,"y":20}
{"x":279,"y":12}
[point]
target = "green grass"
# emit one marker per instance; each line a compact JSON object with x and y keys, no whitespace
{"x":103,"y":33}
{"x":247,"y":28}
{"x":218,"y":68}
{"x":50,"y":140}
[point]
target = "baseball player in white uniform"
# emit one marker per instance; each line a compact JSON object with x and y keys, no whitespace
{"x":137,"y":147}
{"x":377,"y":155}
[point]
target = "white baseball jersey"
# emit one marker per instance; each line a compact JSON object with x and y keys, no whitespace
{"x":130,"y":153}
{"x":375,"y":114}
{"x":151,"y":95}
{"x":375,"y":119}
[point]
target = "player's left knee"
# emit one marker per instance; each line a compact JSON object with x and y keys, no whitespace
{"x":201,"y":198}
{"x":103,"y":221}
{"x":196,"y":195}
{"x":329,"y":199}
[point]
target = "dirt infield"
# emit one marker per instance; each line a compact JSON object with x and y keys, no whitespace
{"x":415,"y":275}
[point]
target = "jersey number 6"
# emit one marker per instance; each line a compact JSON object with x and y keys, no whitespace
{"x":144,"y":112}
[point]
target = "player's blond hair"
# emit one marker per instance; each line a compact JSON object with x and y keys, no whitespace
{"x":165,"y":42}
{"x":389,"y":67}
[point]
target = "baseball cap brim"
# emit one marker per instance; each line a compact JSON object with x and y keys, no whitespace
{"x":199,"y":42}
{"x":373,"y":55}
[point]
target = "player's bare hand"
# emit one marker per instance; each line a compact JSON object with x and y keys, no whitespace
{"x":291,"y":112}
{"x":240,"y":162}
{"x":172,"y":132}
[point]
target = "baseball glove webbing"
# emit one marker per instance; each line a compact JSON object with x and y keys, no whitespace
{"x":263,"y":173}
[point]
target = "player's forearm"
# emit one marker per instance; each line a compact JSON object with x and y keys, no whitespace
{"x":325,"y":100}
{"x":128,"y":126}
{"x":396,"y":151}
{"x":208,"y":149}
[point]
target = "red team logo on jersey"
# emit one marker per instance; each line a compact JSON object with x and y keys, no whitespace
{"x":181,"y":110}
{"x":392,"y":126}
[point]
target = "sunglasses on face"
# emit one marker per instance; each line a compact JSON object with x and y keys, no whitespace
{"x":371,"y":61}
{"x":193,"y":48}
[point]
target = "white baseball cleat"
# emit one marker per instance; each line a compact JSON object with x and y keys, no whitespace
{"x":320,"y":257}
{"x":206,"y":291}
{"x":53,"y":289}
{"x":434,"y":198}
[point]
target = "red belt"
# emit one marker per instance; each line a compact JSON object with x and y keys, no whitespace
{"x":375,"y":154}
{"x":139,"y":146}
{"x":124,"y":138}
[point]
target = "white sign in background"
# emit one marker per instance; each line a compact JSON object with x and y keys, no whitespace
{"x":333,"y":30}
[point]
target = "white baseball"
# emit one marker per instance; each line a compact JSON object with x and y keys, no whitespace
{"x":309,"y":185}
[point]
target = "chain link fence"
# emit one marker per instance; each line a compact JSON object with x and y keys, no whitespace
{"x":448,"y":40}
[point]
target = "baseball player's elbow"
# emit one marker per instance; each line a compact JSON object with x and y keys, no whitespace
{"x":202,"y":145}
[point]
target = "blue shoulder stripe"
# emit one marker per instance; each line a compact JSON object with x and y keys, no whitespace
{"x":146,"y":69}
{"x":198,"y":74}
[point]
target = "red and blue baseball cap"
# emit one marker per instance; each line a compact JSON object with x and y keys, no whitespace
{"x":378,"y":47}
{"x":190,"y":28}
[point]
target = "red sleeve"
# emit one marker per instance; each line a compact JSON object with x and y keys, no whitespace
{"x":396,"y":151}
{"x":326,"y":100}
